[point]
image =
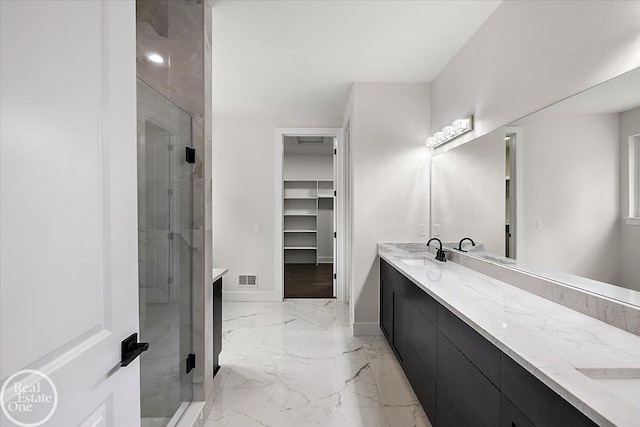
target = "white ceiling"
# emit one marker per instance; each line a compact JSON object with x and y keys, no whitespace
{"x":302,"y":56}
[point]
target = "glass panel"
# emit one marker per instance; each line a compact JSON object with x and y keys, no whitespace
{"x":636,"y":168}
{"x":164,"y":251}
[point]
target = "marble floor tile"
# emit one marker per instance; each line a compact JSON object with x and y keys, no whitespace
{"x":301,"y":417}
{"x":295,"y":363}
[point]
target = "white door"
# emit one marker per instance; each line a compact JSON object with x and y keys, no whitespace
{"x":68,"y":259}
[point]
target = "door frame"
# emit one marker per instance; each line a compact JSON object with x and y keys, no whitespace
{"x":341,"y":202}
{"x":517,"y":175}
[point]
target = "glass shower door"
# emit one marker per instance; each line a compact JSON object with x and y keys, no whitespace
{"x":165,"y":212}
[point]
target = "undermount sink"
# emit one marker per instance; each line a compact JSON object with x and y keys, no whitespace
{"x":622,"y":382}
{"x":416,"y":261}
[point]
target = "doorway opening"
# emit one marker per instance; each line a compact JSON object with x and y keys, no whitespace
{"x":310,"y":214}
{"x":513,"y":192}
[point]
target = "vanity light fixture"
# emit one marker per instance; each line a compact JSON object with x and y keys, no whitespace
{"x":450,"y":132}
{"x":154,"y":57}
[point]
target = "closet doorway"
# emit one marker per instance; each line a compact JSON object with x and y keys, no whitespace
{"x":309,"y":214}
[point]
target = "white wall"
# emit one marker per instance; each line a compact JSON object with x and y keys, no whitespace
{"x":244,"y":194}
{"x":630,"y":234}
{"x":529,"y":54}
{"x":468,"y":192}
{"x":307,"y":166}
{"x":389,"y":125}
{"x":571,"y":185}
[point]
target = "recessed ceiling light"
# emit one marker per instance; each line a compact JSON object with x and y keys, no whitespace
{"x":154,"y":57}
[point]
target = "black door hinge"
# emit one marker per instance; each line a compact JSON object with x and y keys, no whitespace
{"x":335,"y":193}
{"x":191,"y":362}
{"x":335,"y":151}
{"x":335,"y":235}
{"x":334,"y":276}
{"x":190,"y":155}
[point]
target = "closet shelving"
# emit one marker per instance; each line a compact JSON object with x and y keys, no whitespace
{"x":301,"y":204}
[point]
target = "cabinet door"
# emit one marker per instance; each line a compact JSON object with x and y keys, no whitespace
{"x":422,"y":381}
{"x":422,"y":334}
{"x":510,"y":416}
{"x":399,"y":331}
{"x":423,"y":302}
{"x":537,"y":402}
{"x":475,"y":398}
{"x":447,"y":414}
{"x":393,"y":275}
{"x":386,"y":308}
{"x":484,"y":355}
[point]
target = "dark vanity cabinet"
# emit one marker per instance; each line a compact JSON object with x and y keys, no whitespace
{"x":217,"y":324}
{"x":459,"y":377}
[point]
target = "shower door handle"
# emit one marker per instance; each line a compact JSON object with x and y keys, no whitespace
{"x":131,"y":349}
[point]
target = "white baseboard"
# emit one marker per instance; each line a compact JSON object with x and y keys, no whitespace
{"x":250,"y":296}
{"x":361,"y":329}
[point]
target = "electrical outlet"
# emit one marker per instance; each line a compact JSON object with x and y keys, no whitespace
{"x":257,"y":227}
{"x":422,"y":230}
{"x":436,"y":230}
{"x":539,"y":225}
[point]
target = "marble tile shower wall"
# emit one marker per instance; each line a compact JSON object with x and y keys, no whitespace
{"x":173,"y":29}
{"x":180,"y":32}
{"x":615,"y":313}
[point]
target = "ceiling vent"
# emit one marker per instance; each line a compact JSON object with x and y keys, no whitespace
{"x":248,"y":280}
{"x":307,"y":140}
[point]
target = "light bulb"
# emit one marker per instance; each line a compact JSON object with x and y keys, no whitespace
{"x":154,"y":57}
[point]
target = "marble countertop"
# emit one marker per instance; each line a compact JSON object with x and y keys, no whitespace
{"x":218,"y":273}
{"x":549,"y":340}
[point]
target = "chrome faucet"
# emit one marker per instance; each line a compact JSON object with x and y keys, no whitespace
{"x":462,"y":240}
{"x":441,"y":255}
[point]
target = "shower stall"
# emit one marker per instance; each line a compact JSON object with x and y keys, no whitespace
{"x":165,"y":250}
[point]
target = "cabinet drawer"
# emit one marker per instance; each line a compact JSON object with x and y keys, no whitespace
{"x":447,"y":415}
{"x":425,"y":303}
{"x":510,"y":416}
{"x":475,"y":398}
{"x":393,"y":275}
{"x":422,"y":381}
{"x":484,"y":355}
{"x":422,"y":334}
{"x":535,"y":400}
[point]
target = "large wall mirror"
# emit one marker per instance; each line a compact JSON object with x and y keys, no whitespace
{"x":556,"y":193}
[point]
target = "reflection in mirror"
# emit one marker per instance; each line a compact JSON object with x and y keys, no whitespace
{"x":552,"y":190}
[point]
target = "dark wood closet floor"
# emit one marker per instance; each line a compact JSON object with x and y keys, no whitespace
{"x":308,"y":281}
